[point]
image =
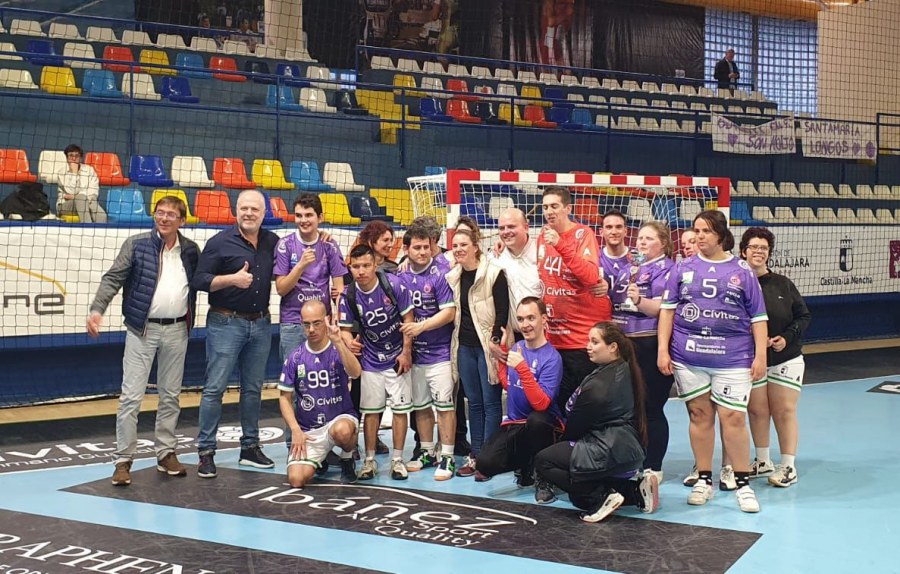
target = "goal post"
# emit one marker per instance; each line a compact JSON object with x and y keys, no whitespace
{"x":484,"y":195}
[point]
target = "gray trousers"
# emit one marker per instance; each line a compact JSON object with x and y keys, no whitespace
{"x":86,"y":208}
{"x":170,"y":343}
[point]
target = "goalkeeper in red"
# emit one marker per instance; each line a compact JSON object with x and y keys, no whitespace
{"x":567,"y":260}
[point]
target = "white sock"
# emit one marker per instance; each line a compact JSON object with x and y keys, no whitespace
{"x":346,"y":454}
{"x":428,"y":447}
{"x":370,"y":455}
{"x":397,"y":455}
{"x":788,"y":460}
{"x":762,"y":454}
{"x":447,"y":449}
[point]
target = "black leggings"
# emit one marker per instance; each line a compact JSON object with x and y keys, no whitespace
{"x":576,"y":366}
{"x":658,"y":386}
{"x":514,"y":446}
{"x":552,"y":464}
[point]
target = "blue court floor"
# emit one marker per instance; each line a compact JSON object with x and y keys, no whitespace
{"x":842,"y":516}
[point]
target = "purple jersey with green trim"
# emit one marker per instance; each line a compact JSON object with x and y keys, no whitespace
{"x":715,"y":303}
{"x":545,"y":363}
{"x":320,"y":384}
{"x":315,"y":281}
{"x":651,"y":282}
{"x":617,"y":272}
{"x":380,"y":323}
{"x":430,"y":293}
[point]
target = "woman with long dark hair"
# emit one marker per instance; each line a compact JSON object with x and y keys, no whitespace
{"x":599,"y":458}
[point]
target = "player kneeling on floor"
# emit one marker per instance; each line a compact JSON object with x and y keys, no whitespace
{"x":315,"y":398}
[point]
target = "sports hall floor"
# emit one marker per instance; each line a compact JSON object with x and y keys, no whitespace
{"x":60,"y":514}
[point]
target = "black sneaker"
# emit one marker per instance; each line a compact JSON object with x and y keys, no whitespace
{"x":253,"y":456}
{"x":543,"y":492}
{"x":417,"y":451}
{"x":462,"y":447}
{"x":323,"y":468}
{"x":207,"y":467}
{"x":380,"y":447}
{"x":525,"y":477}
{"x":348,"y":471}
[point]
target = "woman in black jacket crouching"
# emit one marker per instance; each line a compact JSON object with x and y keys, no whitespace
{"x":599,"y":459}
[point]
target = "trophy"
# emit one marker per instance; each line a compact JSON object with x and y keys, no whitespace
{"x":636,"y":258}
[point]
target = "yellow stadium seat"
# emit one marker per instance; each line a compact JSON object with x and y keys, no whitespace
{"x":59,"y":80}
{"x":509,"y":113}
{"x":396,"y":202}
{"x":381,"y":104}
{"x":70,"y":218}
{"x":180,"y":194}
{"x":158,"y":57}
{"x":336,"y":210}
{"x":534,"y":92}
{"x":408,"y":85}
{"x":269,"y":174}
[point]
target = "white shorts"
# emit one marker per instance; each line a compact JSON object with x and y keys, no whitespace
{"x":319,"y":442}
{"x":729,"y":388}
{"x":787,"y":374}
{"x":433,"y":385}
{"x":378,"y":388}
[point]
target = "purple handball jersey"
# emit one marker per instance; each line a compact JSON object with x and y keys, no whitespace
{"x":545,"y":364}
{"x":315,"y":282}
{"x":617,"y":272}
{"x":380,"y":323}
{"x":320,"y":384}
{"x":715,"y":303}
{"x":651,"y":281}
{"x":430,"y":293}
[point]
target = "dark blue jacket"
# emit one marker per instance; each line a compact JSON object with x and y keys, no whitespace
{"x":136,"y":268}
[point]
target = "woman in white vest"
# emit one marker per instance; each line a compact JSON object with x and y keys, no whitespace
{"x":482,"y":297}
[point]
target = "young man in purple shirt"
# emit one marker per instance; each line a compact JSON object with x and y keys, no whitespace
{"x":615,"y":264}
{"x":307,"y":268}
{"x":315,"y":397}
{"x":386,"y":353}
{"x":531,"y":376}
{"x":432,"y":381}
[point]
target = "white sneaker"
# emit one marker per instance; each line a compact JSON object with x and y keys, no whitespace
{"x":613,"y":501}
{"x":658,"y":473}
{"x":369,"y":469}
{"x":747,"y":499}
{"x":784,"y":476}
{"x":648,"y":488}
{"x":701,"y":493}
{"x":726,"y":478}
{"x":692,"y":478}
{"x":398,"y":469}
{"x":761,"y":468}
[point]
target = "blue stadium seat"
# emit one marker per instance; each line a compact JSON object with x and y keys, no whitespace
{"x":345,"y":101}
{"x":193,"y":61}
{"x":430,"y":109}
{"x":475,"y":210}
{"x":582,"y":117}
{"x":178,"y":89}
{"x":270,"y":218}
{"x":259,"y":72}
{"x":558,"y":97}
{"x":665,"y":208}
{"x":435,"y":170}
{"x":149,"y":170}
{"x":307,"y":177}
{"x":101,"y":84}
{"x":367,"y":209}
{"x":43,"y":53}
{"x":561,"y":116}
{"x":291,"y":75}
{"x":126,"y":205}
{"x":740,"y":215}
{"x":282,"y":97}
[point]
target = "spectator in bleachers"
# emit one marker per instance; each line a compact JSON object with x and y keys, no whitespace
{"x":726,"y":72}
{"x":246,"y":36}
{"x":156,"y":268}
{"x":79,"y":188}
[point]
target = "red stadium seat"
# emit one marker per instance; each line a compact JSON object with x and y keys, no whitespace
{"x":230,"y":172}
{"x":280,"y":209}
{"x":535,"y":115}
{"x":225,"y":65}
{"x":108,"y":168}
{"x":14,"y":167}
{"x":459,"y":111}
{"x":587,"y":211}
{"x":456,"y":85}
{"x":213,"y":207}
{"x":120,"y":54}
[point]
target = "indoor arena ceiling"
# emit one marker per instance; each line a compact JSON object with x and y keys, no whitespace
{"x":793,"y":9}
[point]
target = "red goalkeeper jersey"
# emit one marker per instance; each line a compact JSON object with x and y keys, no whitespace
{"x":568,"y":271}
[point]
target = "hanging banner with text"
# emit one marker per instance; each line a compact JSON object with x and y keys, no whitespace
{"x":838,"y":140}
{"x":775,"y":137}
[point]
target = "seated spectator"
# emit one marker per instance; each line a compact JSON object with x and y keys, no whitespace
{"x":28,"y":203}
{"x":79,"y":188}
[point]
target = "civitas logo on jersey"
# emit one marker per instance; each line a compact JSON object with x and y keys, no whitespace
{"x":395,"y":513}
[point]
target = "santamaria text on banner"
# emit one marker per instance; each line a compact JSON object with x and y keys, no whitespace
{"x":840,"y":140}
{"x":776,"y":136}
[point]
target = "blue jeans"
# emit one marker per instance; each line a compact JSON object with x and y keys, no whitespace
{"x":233,"y":342}
{"x":292,"y":336}
{"x":485,"y":410}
